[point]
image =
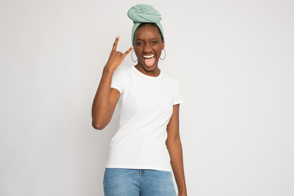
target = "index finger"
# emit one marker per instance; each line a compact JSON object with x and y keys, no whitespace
{"x":115,"y":43}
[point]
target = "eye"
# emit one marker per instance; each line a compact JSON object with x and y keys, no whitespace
{"x":154,"y":42}
{"x":139,"y":43}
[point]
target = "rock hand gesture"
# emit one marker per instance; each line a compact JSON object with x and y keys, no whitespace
{"x":105,"y":100}
{"x":116,"y":57}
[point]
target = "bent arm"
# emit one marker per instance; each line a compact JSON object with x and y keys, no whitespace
{"x":104,"y":101}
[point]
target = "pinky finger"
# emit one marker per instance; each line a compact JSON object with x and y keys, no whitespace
{"x":128,"y":51}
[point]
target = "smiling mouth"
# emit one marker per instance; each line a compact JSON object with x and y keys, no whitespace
{"x":148,"y":57}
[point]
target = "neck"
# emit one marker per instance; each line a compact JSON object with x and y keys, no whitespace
{"x":150,"y":72}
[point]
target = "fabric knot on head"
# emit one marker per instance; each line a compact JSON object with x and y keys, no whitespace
{"x":143,"y":13}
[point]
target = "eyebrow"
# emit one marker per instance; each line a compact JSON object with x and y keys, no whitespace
{"x":151,"y":38}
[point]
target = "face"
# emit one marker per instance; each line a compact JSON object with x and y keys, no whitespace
{"x":147,"y":43}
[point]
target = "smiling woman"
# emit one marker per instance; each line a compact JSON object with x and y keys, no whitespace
{"x":148,"y":43}
{"x":146,"y":148}
{"x":147,"y":37}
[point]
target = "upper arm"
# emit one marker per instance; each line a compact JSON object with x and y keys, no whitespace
{"x":114,"y":97}
{"x":173,"y":131}
{"x":177,"y":92}
{"x":118,"y":85}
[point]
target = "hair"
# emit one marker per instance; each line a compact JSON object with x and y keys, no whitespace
{"x":153,"y":24}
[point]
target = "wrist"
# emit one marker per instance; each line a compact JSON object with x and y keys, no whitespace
{"x":108,"y":69}
{"x":182,"y":190}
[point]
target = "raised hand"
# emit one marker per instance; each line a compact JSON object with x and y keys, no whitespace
{"x":116,"y":57}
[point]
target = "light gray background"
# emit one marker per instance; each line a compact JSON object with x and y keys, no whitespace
{"x":234,"y":59}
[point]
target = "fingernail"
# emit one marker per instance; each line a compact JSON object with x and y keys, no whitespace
{"x":117,"y":36}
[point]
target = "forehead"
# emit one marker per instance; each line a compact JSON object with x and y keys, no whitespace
{"x":147,"y":30}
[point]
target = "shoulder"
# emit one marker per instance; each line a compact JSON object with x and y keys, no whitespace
{"x":125,"y":70}
{"x":120,"y":70}
{"x":171,"y":77}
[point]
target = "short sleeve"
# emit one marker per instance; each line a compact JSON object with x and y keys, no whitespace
{"x":178,"y":93}
{"x":118,"y":79}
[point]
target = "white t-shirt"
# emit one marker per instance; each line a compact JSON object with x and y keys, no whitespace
{"x":145,"y":110}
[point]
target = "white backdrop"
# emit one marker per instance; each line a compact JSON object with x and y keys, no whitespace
{"x":233,"y":58}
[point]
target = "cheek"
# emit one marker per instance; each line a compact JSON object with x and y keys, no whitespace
{"x":159,"y":53}
{"x":137,"y":52}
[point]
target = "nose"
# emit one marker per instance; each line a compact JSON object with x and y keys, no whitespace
{"x":147,"y":49}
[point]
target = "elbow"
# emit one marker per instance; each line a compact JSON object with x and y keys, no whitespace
{"x":97,"y":125}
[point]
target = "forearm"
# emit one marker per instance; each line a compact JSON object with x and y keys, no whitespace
{"x":100,"y":105}
{"x":175,"y":150}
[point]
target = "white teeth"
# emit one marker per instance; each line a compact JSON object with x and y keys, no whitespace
{"x":149,"y":56}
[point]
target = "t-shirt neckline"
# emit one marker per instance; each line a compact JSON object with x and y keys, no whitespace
{"x":144,"y":75}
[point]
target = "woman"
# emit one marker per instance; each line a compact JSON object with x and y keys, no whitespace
{"x":147,"y":141}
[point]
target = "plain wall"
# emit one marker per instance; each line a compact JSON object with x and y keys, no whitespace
{"x":235,"y":62}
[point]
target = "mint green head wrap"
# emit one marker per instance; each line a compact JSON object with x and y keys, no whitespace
{"x":144,"y":14}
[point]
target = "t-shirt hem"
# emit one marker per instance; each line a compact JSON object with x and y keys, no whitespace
{"x":178,"y":102}
{"x":116,"y":87}
{"x":162,"y":168}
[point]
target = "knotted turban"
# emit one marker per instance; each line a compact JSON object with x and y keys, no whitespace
{"x":144,"y":14}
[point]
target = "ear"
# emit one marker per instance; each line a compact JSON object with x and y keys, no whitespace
{"x":163,"y":45}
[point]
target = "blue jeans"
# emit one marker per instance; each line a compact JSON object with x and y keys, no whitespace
{"x":138,"y":182}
